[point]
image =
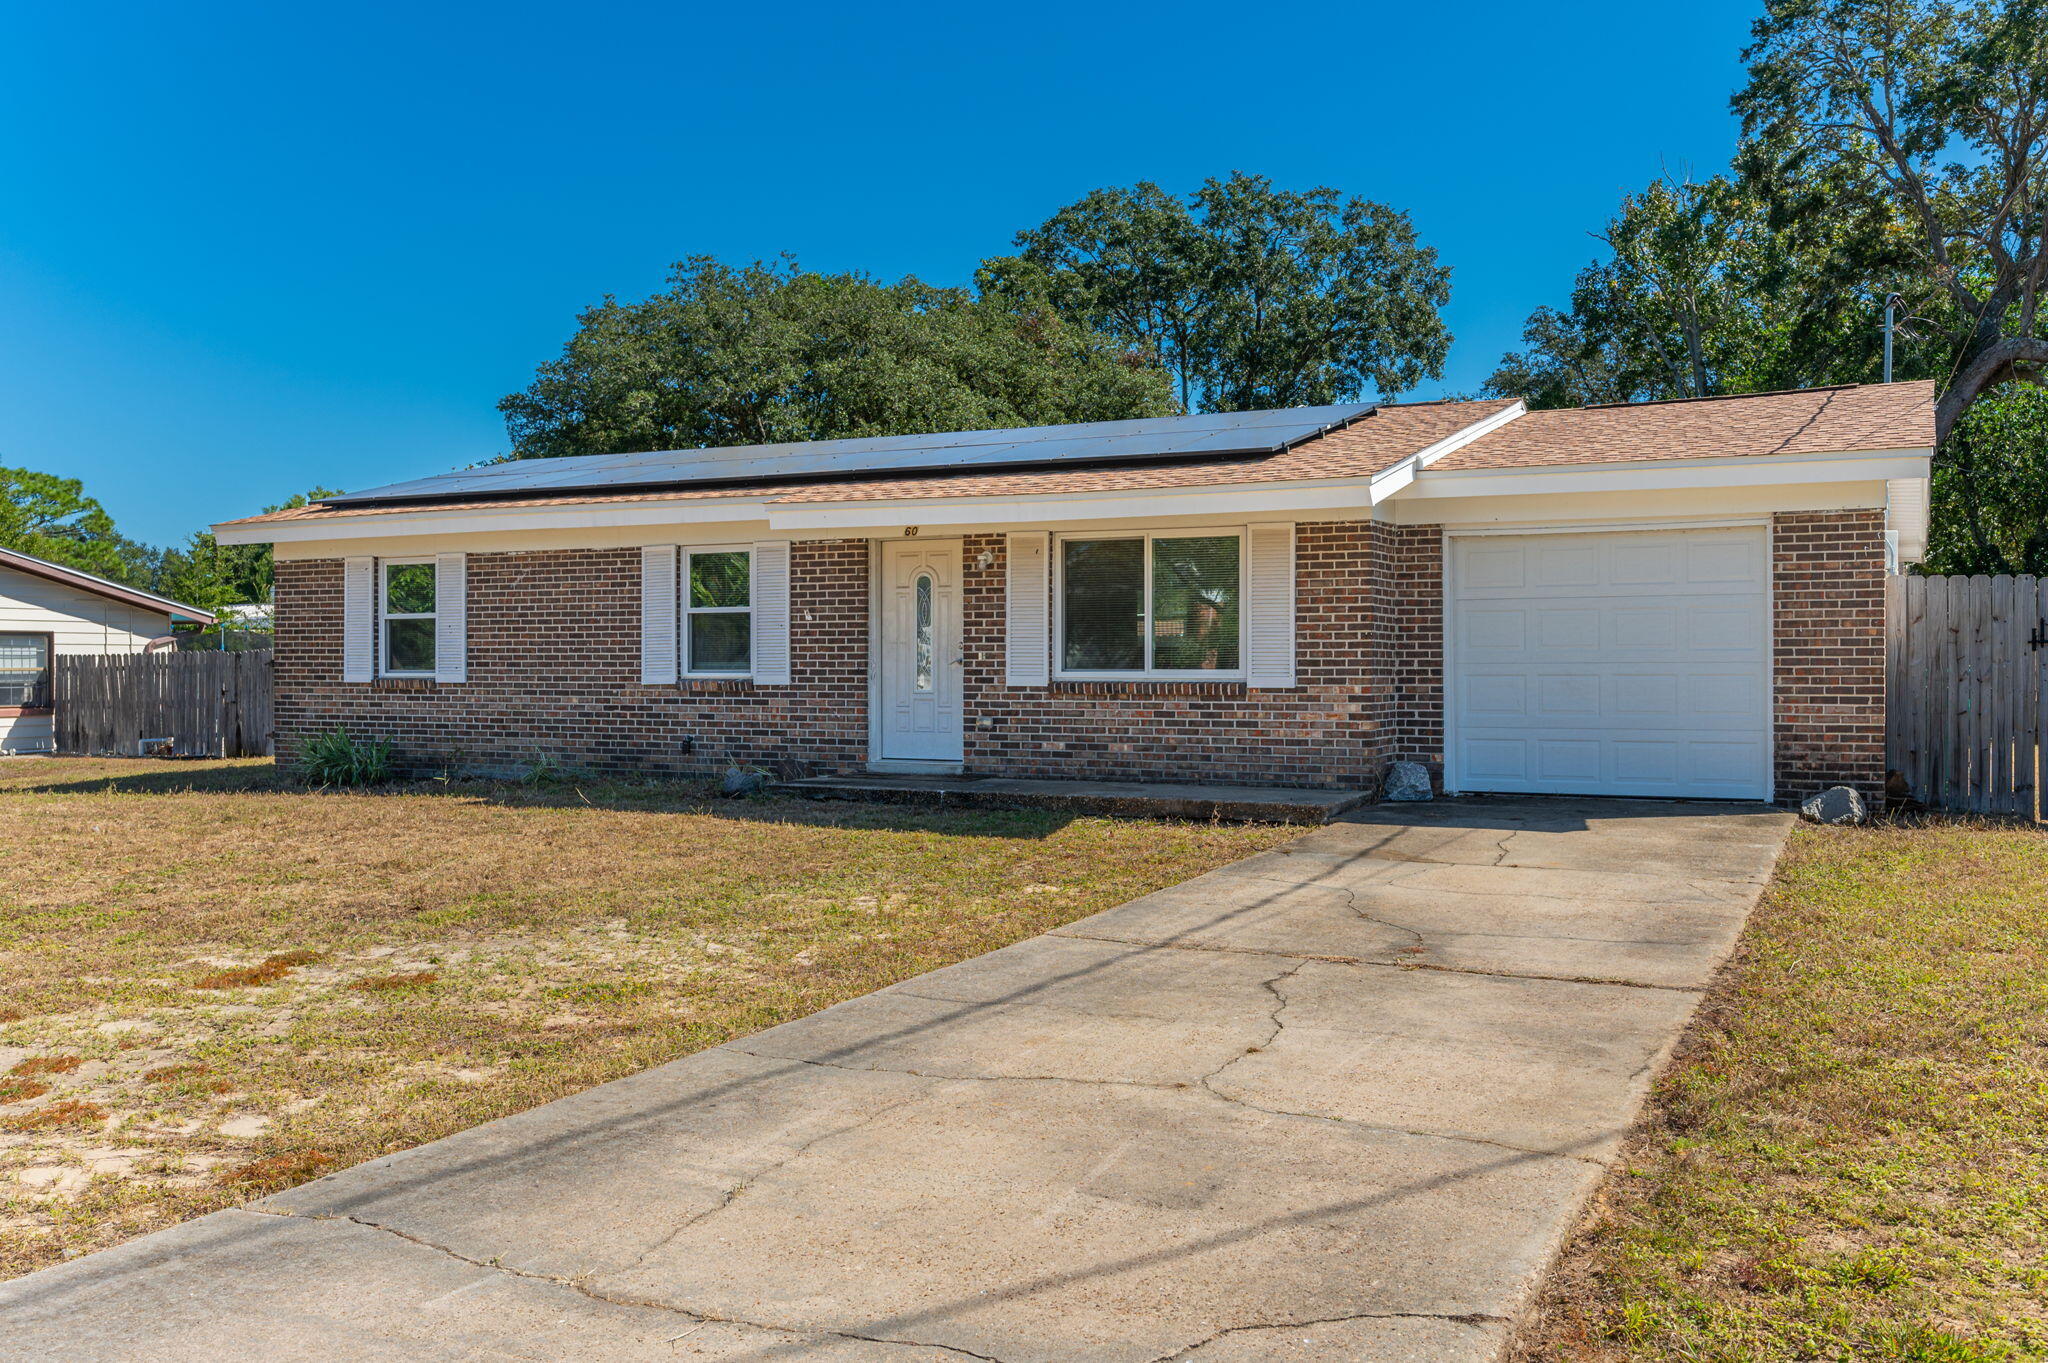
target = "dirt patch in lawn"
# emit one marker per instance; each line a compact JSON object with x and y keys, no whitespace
{"x":1850,"y":1158}
{"x":223,"y":983}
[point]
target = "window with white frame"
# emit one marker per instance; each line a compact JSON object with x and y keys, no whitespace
{"x":408,"y":615}
{"x":1136,"y":605}
{"x":718,"y":612}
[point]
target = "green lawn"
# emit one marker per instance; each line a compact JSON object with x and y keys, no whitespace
{"x":1850,"y":1160}
{"x":219,"y":982}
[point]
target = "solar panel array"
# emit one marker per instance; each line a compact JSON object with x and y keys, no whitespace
{"x":1219,"y":434}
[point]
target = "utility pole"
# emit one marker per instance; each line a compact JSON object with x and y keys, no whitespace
{"x":1891,"y":311}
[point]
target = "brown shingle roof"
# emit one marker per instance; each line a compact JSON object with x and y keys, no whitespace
{"x":1808,"y":421}
{"x":1876,"y":416}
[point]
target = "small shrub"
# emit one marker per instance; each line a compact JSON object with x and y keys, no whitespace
{"x":48,"y":1064}
{"x":69,"y":1112}
{"x":377,"y":984}
{"x":337,"y":758}
{"x":21,"y":1090}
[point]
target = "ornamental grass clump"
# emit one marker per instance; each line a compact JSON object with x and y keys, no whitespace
{"x":337,"y":758}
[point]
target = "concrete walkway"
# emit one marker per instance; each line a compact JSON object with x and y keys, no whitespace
{"x":1339,"y":1101}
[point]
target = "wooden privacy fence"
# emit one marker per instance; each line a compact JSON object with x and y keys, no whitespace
{"x":1967,"y":681}
{"x":200,"y":704}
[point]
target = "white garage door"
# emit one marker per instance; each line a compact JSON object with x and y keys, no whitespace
{"x":1611,"y":664}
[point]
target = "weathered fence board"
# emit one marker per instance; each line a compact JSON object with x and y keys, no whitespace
{"x":1967,"y":682}
{"x":187,"y":704}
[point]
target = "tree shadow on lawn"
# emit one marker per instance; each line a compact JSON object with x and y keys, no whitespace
{"x":563,"y":790}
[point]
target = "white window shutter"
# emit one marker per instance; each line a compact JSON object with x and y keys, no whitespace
{"x":1269,"y":614}
{"x":358,"y":619}
{"x":1027,"y":592}
{"x":657,"y":614}
{"x":771,"y":613}
{"x":451,"y":618}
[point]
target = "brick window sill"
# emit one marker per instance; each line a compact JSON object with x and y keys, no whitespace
{"x":415,"y":685}
{"x":1146,"y":688}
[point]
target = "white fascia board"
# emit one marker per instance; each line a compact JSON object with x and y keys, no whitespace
{"x":1387,"y":482}
{"x":476,"y":521}
{"x":1348,"y":494}
{"x":1738,"y":471}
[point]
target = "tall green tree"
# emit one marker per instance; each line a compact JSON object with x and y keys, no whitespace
{"x":1702,"y":293}
{"x":52,"y":518}
{"x":1252,"y":296}
{"x":1926,"y":120}
{"x":768,"y":352}
{"x":1990,"y":512}
{"x":205,"y":572}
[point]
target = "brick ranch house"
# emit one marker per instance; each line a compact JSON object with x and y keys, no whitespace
{"x":1678,"y":599}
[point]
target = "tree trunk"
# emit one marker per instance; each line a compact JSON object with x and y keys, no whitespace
{"x":2011,"y":357}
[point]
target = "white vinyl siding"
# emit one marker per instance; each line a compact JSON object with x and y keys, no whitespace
{"x":78,"y":623}
{"x":1027,"y":598}
{"x":1619,"y":663}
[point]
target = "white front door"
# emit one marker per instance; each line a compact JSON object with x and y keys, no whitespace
{"x":921,"y":662}
{"x":1619,"y":663}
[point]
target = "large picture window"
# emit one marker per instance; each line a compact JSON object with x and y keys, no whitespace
{"x":25,"y":671}
{"x":718,"y":611}
{"x":1143,"y":605}
{"x":406,"y":604}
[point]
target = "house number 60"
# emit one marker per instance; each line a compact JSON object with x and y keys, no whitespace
{"x":910,"y":532}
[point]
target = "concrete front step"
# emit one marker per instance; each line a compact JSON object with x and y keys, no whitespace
{"x":1123,"y":799}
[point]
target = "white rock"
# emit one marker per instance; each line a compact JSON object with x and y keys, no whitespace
{"x":1836,"y":804}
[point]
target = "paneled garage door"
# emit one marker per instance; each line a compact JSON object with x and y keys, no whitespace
{"x":1611,"y":664}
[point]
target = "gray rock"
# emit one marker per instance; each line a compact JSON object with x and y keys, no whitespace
{"x":740,"y":780}
{"x":1836,"y":804}
{"x":1406,"y":781}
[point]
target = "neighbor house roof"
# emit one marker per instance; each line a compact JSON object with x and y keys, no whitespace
{"x":100,"y":586}
{"x":1852,"y":419}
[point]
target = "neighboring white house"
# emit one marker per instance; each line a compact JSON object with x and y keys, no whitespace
{"x":48,"y":610}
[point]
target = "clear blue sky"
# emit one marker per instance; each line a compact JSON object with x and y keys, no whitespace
{"x":250,"y":248}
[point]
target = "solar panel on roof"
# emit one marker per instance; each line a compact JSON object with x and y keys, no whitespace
{"x":1215,"y":434}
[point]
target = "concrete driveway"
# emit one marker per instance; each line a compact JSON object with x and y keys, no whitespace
{"x":1339,"y":1101}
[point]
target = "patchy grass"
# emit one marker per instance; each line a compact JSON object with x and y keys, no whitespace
{"x":1850,"y":1159}
{"x":261,"y":982}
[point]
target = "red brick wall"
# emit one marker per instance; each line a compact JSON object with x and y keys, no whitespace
{"x":1409,"y":603}
{"x":1338,"y":727}
{"x":1827,"y":597}
{"x":554,"y":667}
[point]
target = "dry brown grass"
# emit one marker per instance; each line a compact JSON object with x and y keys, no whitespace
{"x":47,"y":1064}
{"x":21,"y":1090}
{"x":63,"y":1112}
{"x":514,"y":944}
{"x":1849,"y":1159}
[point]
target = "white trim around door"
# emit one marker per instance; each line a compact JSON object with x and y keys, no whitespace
{"x":917,"y":716}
